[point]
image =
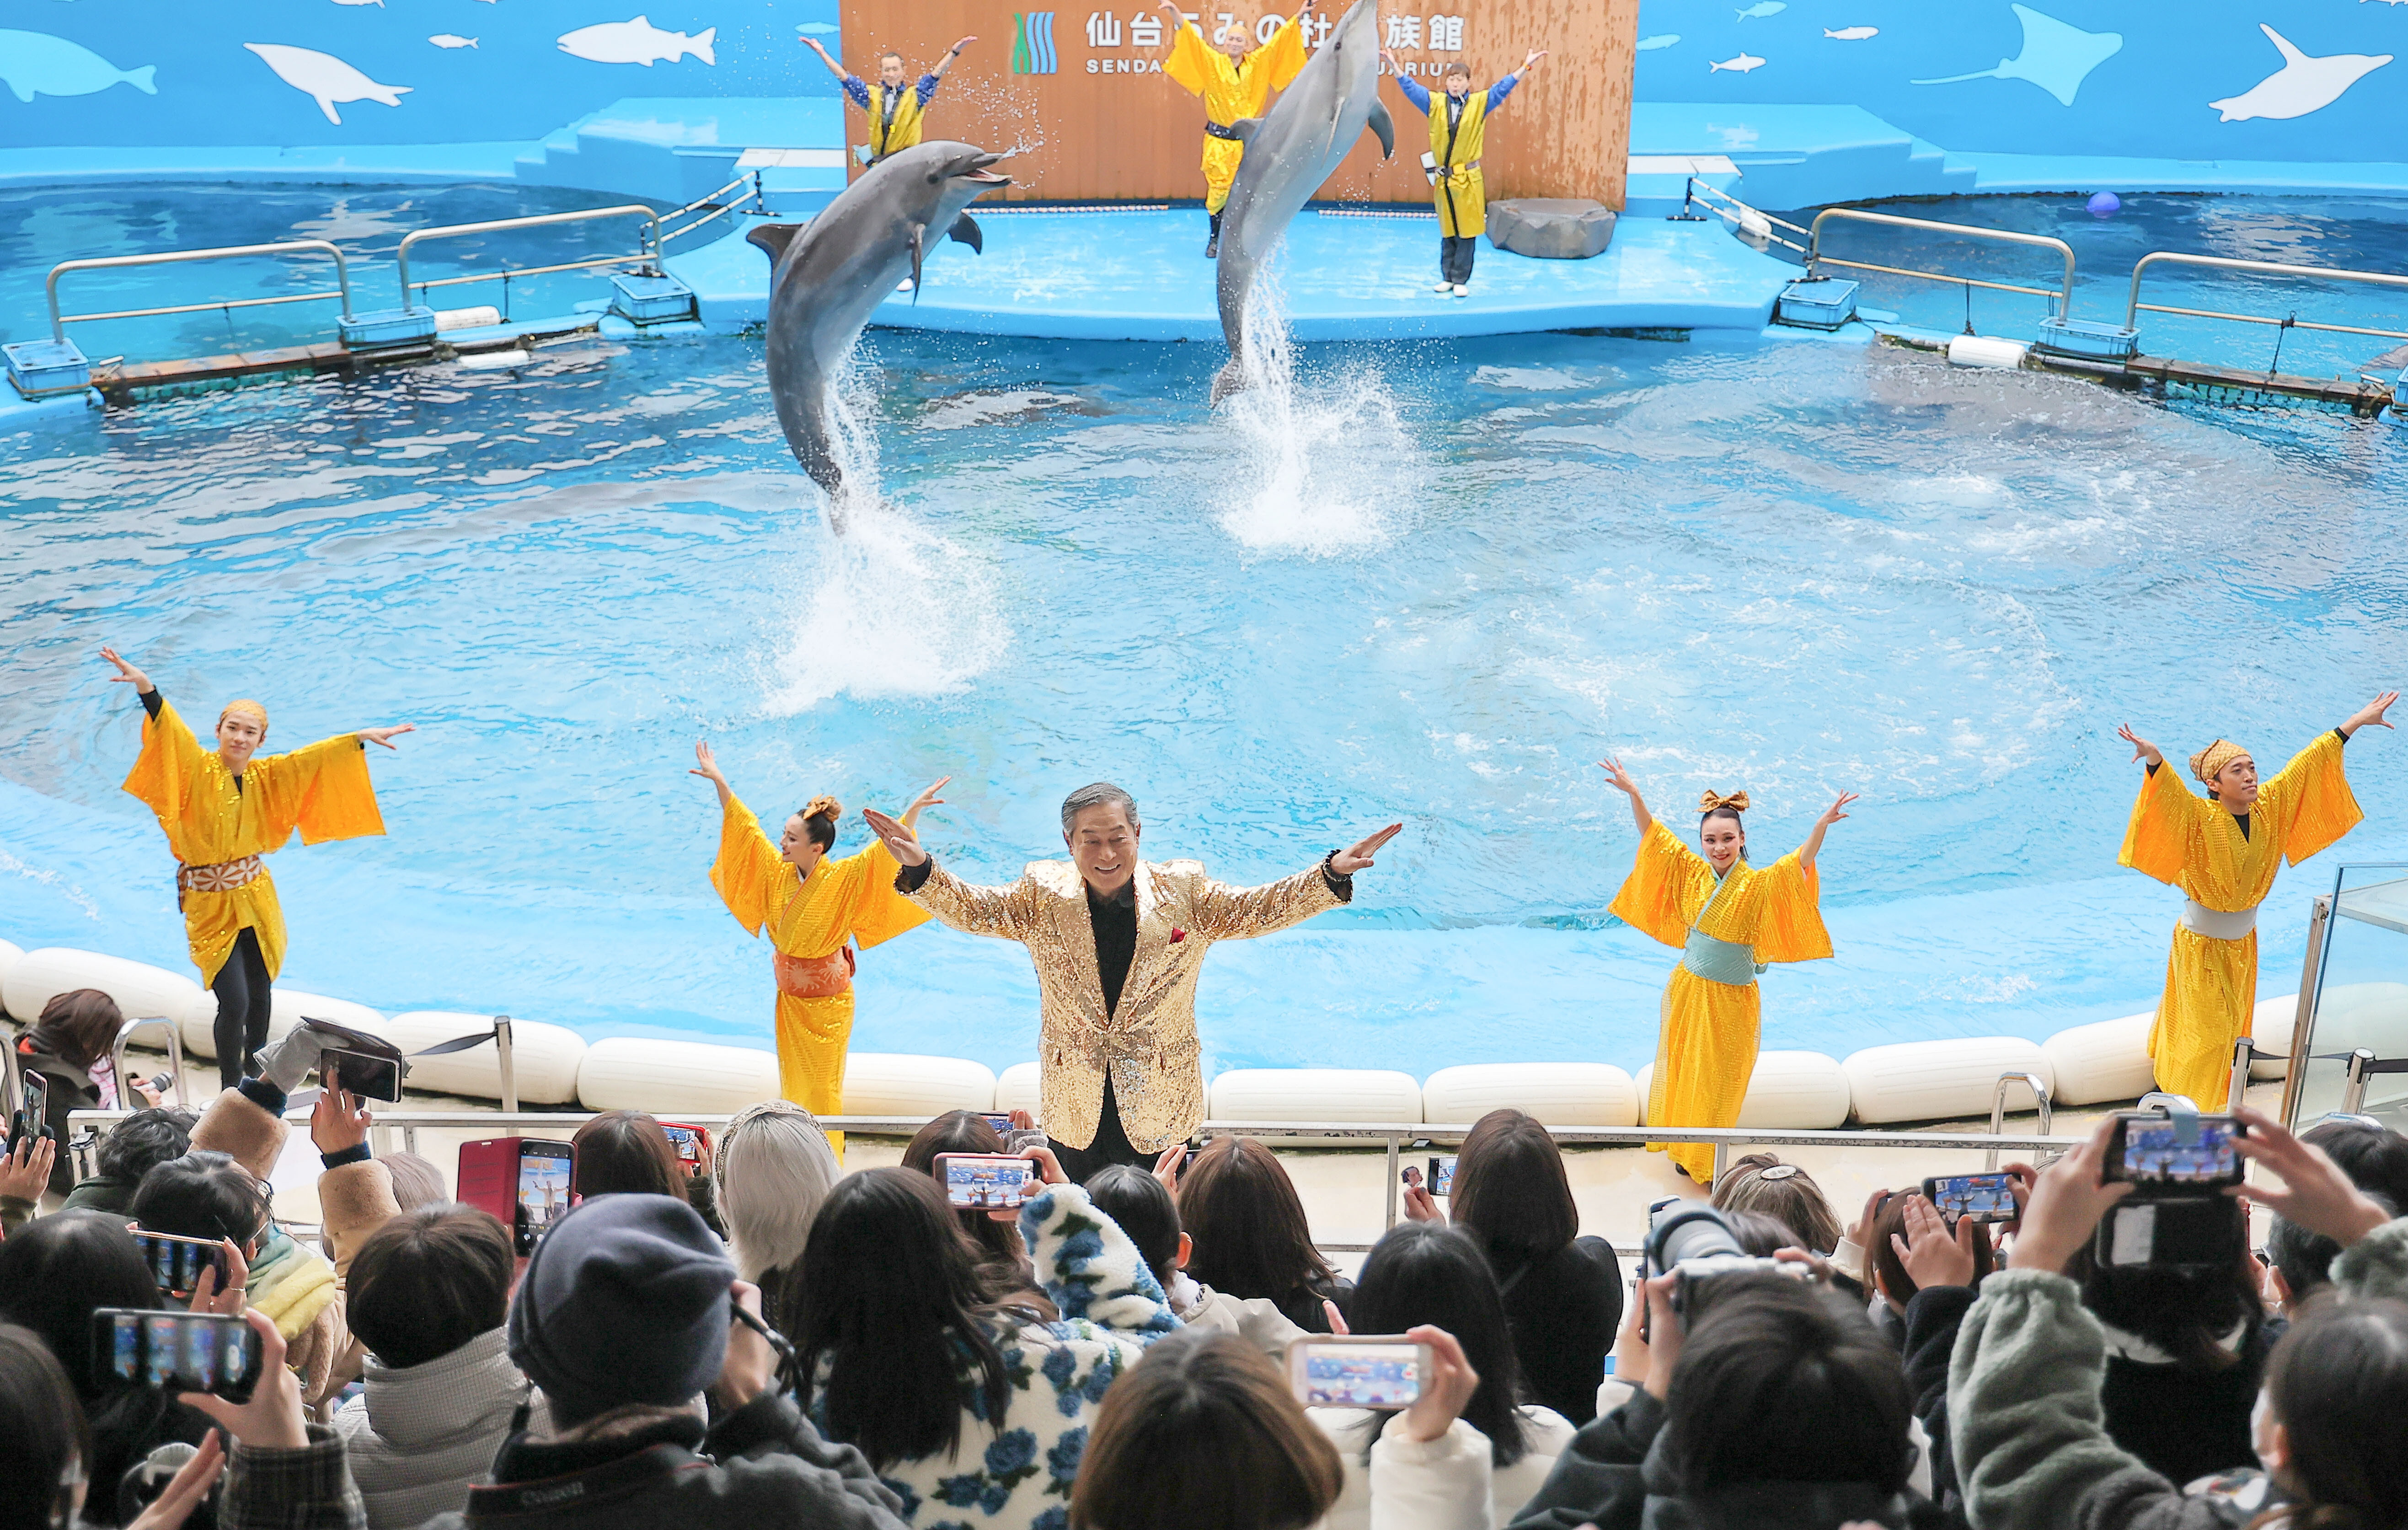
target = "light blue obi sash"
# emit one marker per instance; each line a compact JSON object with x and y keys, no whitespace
{"x":1720,"y":960}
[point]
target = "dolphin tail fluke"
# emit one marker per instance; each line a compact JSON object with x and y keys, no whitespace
{"x":1229,"y":379}
{"x":772,"y":238}
{"x":140,"y":78}
{"x":700,"y":46}
{"x":1385,"y":127}
{"x":966,"y":231}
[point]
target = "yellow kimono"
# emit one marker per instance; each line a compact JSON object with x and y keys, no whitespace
{"x":1233,"y":93}
{"x":1728,"y":930}
{"x":810,"y":920}
{"x":216,"y":830}
{"x":2183,"y":838}
{"x":1460,"y":194}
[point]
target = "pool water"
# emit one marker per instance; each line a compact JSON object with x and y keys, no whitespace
{"x":1428,"y":583}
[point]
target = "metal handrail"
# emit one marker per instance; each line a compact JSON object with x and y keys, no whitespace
{"x":170,"y":257}
{"x":2133,"y":307}
{"x":2064,"y":296}
{"x":1738,"y":219}
{"x":710,"y":206}
{"x":446,"y":231}
{"x":175,"y":1055}
{"x":2038,"y":1087}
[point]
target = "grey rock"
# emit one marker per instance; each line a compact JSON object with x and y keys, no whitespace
{"x":1551,"y":227}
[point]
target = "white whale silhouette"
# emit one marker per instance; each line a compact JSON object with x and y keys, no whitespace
{"x":323,"y":77}
{"x":636,"y":43}
{"x":2302,"y":85}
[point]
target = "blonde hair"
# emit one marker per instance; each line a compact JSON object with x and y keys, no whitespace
{"x":773,"y":1169}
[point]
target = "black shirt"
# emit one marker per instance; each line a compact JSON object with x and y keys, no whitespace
{"x":1115,"y":922}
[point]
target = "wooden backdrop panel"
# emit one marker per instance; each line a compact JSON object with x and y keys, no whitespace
{"x":1106,"y":126}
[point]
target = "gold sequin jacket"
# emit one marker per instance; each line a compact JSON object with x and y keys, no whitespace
{"x":1149,"y":1041}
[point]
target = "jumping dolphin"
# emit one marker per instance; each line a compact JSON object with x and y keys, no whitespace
{"x":1290,"y":151}
{"x":827,"y":275}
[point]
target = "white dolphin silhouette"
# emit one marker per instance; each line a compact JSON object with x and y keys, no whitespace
{"x":2302,"y":85}
{"x":323,"y":77}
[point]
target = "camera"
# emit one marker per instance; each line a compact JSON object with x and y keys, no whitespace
{"x":2177,"y":1215}
{"x":1693,"y":1242}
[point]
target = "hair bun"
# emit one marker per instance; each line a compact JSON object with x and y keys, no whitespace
{"x":824,"y":807}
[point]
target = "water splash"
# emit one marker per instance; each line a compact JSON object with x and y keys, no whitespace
{"x":888,"y":606}
{"x":1319,"y":471}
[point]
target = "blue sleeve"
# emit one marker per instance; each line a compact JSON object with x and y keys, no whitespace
{"x":859,"y":92}
{"x":928,"y":88}
{"x":1498,"y":92}
{"x":1414,"y":92}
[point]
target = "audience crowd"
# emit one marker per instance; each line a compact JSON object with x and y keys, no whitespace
{"x":749,"y":1336}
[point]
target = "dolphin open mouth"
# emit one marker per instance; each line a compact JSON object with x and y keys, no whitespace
{"x":981,"y":173}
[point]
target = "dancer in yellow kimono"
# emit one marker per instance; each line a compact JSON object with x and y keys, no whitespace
{"x":814,"y":907}
{"x":224,"y":810}
{"x":1236,"y":80}
{"x":1731,"y":920}
{"x":2223,"y":850}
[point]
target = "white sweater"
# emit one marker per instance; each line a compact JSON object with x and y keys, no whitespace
{"x":1448,"y":1483}
{"x":421,"y":1437}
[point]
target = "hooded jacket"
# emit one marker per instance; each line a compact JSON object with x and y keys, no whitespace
{"x":420,"y":1436}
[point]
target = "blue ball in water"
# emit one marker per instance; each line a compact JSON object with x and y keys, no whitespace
{"x":2105,"y":204}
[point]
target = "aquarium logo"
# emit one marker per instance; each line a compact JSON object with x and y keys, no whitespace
{"x":1032,"y":43}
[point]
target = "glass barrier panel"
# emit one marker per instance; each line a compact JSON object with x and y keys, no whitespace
{"x":2361,"y":995}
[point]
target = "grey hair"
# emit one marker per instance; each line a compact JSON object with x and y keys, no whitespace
{"x":774,"y":1167}
{"x":1101,"y":794}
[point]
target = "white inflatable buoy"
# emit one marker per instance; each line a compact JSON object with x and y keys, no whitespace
{"x":1315,"y":1095}
{"x":1788,"y":1092}
{"x":1017,"y":1088}
{"x":8,"y":958}
{"x":669,"y":1078}
{"x":1984,"y":350}
{"x":897,"y":1084}
{"x":142,"y":992}
{"x":2092,"y":1064}
{"x":544,"y":1058}
{"x":1941,"y":1080}
{"x":1556,"y":1093}
{"x":287,"y":1008}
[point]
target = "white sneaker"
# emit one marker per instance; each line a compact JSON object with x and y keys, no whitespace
{"x":1461,"y":290}
{"x":1444,"y":288}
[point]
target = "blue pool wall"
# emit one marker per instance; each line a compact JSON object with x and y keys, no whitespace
{"x":2071,"y":94}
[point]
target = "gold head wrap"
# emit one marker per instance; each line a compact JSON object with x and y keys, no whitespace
{"x":1735,"y":802}
{"x":252,"y":709}
{"x":2210,"y":762}
{"x":829,"y":806}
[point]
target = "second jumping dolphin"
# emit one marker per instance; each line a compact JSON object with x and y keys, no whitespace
{"x":828,"y":275}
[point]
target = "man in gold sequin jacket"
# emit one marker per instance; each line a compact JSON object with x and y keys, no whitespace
{"x":1118,"y":944}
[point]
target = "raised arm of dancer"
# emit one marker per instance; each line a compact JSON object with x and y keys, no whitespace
{"x":1004,"y":913}
{"x":2143,"y":750}
{"x":951,"y":54}
{"x":900,"y":842}
{"x":1622,"y":782}
{"x":2371,"y":715}
{"x":927,"y":798}
{"x":1814,"y":846}
{"x":1187,"y":63}
{"x":1503,"y":88}
{"x":707,"y":765}
{"x":1416,"y":93}
{"x":833,"y":66}
{"x":127,"y":674}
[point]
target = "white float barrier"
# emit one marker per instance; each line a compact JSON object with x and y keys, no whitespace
{"x":897,"y":1084}
{"x":671,"y":1078}
{"x":2270,"y":1026}
{"x":2096,"y":1064}
{"x":1939,"y":1080}
{"x":544,"y":1058}
{"x":9,"y":955}
{"x":287,"y":1008}
{"x":1017,"y":1088}
{"x":1556,"y":1093}
{"x":1315,"y":1095}
{"x":142,"y":991}
{"x":1788,"y":1092}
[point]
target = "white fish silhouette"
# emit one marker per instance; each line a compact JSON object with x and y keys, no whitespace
{"x":323,"y":77}
{"x":1648,"y":45}
{"x":1740,"y":64}
{"x":1763,"y":8}
{"x":451,"y":40}
{"x":2302,"y":85}
{"x":359,"y":2}
{"x":636,"y":43}
{"x":37,"y":63}
{"x":1853,"y":34}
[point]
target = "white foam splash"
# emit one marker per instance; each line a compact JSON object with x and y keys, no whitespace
{"x":1320,"y":473}
{"x":888,"y":607}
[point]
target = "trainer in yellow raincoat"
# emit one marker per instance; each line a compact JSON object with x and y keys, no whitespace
{"x":1458,"y":124}
{"x":1235,"y":82}
{"x":896,"y":111}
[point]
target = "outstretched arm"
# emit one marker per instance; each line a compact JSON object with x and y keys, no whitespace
{"x":1622,"y":782}
{"x":1814,"y":846}
{"x":384,"y":735}
{"x":927,"y":798}
{"x":833,"y":66}
{"x":2369,"y":715}
{"x":951,"y":54}
{"x":707,"y":765}
{"x":127,"y":674}
{"x":2143,"y":750}
{"x":1004,"y":913}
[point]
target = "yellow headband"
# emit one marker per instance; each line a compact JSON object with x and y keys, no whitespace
{"x":252,"y":709}
{"x":1735,"y":802}
{"x":2210,"y":762}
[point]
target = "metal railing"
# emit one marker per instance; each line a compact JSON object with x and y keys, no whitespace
{"x":2038,"y":1087}
{"x":59,"y":322}
{"x":175,"y":1055}
{"x":2133,"y":307}
{"x":650,"y":255}
{"x":1746,"y":219}
{"x":1814,"y":255}
{"x":712,"y":209}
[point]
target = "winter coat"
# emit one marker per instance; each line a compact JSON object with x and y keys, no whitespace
{"x":419,"y":1437}
{"x":1545,"y":1435}
{"x":1259,"y":1322}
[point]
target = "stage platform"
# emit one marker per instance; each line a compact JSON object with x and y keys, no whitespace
{"x":1141,"y":275}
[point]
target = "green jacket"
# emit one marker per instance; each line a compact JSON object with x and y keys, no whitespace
{"x":2028,"y":1435}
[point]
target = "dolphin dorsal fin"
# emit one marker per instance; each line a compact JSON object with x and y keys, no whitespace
{"x":966,"y":231}
{"x":1246,"y":127}
{"x":772,"y":238}
{"x":2290,"y":54}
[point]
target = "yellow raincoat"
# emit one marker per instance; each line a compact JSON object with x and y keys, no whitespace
{"x":323,"y":791}
{"x":809,"y":919}
{"x":2183,"y":838}
{"x":1233,"y":91}
{"x":1460,"y":194}
{"x":887,"y":137}
{"x":1707,"y":1048}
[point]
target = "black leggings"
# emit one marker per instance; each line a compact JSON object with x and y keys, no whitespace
{"x":243,"y":1005}
{"x":1111,"y":1143}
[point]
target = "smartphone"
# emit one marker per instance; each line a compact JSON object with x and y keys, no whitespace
{"x":177,"y":1261}
{"x":2187,"y":1235}
{"x":1385,"y":1372}
{"x":986,"y":1181}
{"x":689,"y":1141}
{"x":1000,"y":1120}
{"x":547,"y":1175}
{"x":177,"y":1352}
{"x":1442,"y":1175}
{"x":368,"y":1074}
{"x":1984,"y":1197}
{"x":34,"y":1111}
{"x":2144,"y":1151}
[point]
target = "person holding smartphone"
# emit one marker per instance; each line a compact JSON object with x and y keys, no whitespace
{"x":221,"y":811}
{"x":69,"y":1048}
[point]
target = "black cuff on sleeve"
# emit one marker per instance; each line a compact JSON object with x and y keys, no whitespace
{"x":2153,"y":766}
{"x":2339,"y":735}
{"x":152,"y":700}
{"x":356,"y":1153}
{"x":1340,"y":887}
{"x":911,"y":879}
{"x":266,"y":1096}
